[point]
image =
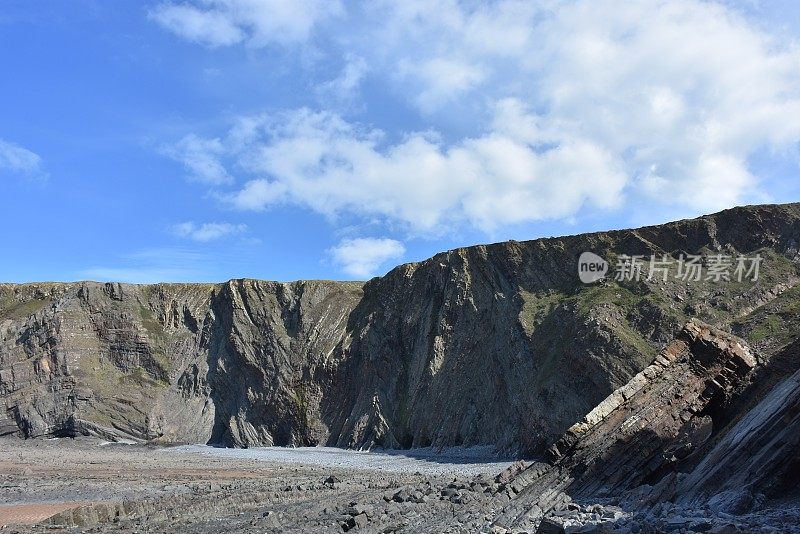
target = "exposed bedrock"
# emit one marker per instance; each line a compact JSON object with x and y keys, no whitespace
{"x":639,"y":433}
{"x":696,"y":429}
{"x":497,"y":344}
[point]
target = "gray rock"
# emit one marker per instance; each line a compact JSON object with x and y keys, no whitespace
{"x":249,"y":363}
{"x":550,"y":525}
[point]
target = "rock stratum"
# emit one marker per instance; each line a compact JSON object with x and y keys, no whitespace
{"x":498,"y":344}
{"x":649,"y":393}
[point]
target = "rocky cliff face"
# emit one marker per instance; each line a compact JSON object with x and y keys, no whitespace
{"x":229,"y":363}
{"x":637,"y":437}
{"x":706,"y":433}
{"x":498,"y":344}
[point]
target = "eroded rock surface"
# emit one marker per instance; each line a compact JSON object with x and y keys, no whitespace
{"x":682,"y":446}
{"x":638,"y":434}
{"x":645,"y":413}
{"x":498,"y":344}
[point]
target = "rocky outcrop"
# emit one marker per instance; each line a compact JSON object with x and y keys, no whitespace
{"x":227,"y":363}
{"x":639,"y":433}
{"x":704,"y":438}
{"x":498,"y":344}
{"x":755,"y":461}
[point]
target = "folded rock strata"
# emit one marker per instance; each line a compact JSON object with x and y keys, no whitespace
{"x":498,"y":344}
{"x":637,"y":434}
{"x":758,"y":458}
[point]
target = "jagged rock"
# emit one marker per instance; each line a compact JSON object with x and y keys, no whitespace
{"x":630,"y":438}
{"x":757,"y":458}
{"x":550,"y":525}
{"x":497,"y":344}
{"x":402,"y":495}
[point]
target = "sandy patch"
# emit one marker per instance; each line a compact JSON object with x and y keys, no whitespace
{"x":30,"y":514}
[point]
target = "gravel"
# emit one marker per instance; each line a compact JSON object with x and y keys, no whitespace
{"x":457,"y":461}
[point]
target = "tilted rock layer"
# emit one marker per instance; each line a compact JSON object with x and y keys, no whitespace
{"x":708,"y":429}
{"x":640,"y":433}
{"x":498,"y":344}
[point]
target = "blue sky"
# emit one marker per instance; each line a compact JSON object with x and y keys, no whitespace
{"x":203,"y":140}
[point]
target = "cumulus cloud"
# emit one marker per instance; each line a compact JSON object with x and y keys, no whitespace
{"x":325,"y":163}
{"x":258,"y":23}
{"x":207,"y":231}
{"x":19,"y":160}
{"x":681,"y":92}
{"x":441,"y":51}
{"x":576,"y":105}
{"x":439,"y":80}
{"x":363,"y":256}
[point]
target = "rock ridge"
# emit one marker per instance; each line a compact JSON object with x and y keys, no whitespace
{"x":487,"y":345}
{"x":632,"y":443}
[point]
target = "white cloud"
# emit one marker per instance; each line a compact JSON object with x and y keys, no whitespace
{"x":575,"y":105}
{"x":207,"y":231}
{"x":256,"y":22}
{"x":440,"y":51}
{"x":440,"y":80}
{"x":363,"y":256}
{"x":681,"y":92}
{"x":344,"y":88}
{"x":20,"y":160}
{"x":258,"y":194}
{"x":202,"y":158}
{"x":210,"y":27}
{"x":322,"y":162}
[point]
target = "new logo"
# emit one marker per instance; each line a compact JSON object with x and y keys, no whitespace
{"x":591,"y":267}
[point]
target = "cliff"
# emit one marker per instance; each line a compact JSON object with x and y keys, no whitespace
{"x":498,"y":344}
{"x":708,"y":426}
{"x":641,"y":433}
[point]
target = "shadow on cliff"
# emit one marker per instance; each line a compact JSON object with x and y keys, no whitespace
{"x":405,"y":380}
{"x":216,"y":337}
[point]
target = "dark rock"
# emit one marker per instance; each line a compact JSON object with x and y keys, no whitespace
{"x":401,"y":495}
{"x":624,"y":441}
{"x":550,"y":525}
{"x":725,"y":528}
